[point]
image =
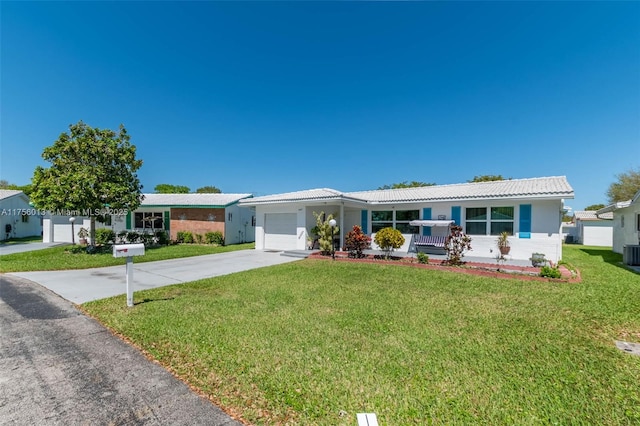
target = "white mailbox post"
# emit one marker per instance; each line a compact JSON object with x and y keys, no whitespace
{"x":128,"y":251}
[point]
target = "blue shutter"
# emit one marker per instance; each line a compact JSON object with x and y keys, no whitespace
{"x":364,"y":215}
{"x":128,"y":221}
{"x":525,"y":221}
{"x":426,"y":215}
{"x":167,"y":220}
{"x":456,"y":215}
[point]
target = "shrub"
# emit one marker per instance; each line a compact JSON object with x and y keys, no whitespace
{"x":538,"y":259}
{"x":162,"y":238}
{"x":550,"y":272}
{"x":185,"y":237}
{"x":423,"y":258}
{"x":389,"y":239}
{"x":214,"y":237}
{"x":356,"y":241}
{"x":133,"y":237}
{"x":325,"y":232}
{"x":122,"y":237}
{"x":456,"y":244}
{"x":199,"y":238}
{"x":105,"y":236}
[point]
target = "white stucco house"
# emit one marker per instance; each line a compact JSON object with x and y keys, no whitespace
{"x":18,"y":219}
{"x":197,"y":213}
{"x":528,"y":209}
{"x":593,"y":229}
{"x":626,"y":222}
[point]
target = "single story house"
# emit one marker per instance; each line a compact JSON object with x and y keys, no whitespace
{"x":530,"y":210}
{"x":18,"y":219}
{"x":594,"y":229}
{"x":197,"y":213}
{"x":626,"y":222}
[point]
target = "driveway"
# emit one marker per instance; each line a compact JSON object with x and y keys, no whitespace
{"x":60,"y":367}
{"x":80,"y":286}
{"x":22,"y":247}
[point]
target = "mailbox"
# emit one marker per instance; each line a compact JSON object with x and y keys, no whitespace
{"x":128,"y":250}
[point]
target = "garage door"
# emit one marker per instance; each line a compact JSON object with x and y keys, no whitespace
{"x":280,"y":231}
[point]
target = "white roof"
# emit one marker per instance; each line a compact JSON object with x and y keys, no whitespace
{"x":592,"y":215}
{"x":6,"y":193}
{"x":192,"y":200}
{"x":554,"y":187}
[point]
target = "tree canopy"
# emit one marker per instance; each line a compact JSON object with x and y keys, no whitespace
{"x":405,"y":184}
{"x":91,"y":170}
{"x":627,"y":185}
{"x":208,"y":190}
{"x":5,"y":184}
{"x":486,"y":178}
{"x":165,"y":188}
{"x":594,"y":207}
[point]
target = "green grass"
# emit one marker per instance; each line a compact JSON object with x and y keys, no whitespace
{"x":315,"y":342}
{"x":63,"y":257}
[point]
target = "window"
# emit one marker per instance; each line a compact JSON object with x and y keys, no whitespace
{"x":394,"y":219}
{"x":476,"y":221}
{"x":638,"y":222}
{"x":148,"y":220}
{"x":501,"y":220}
{"x":25,"y":218}
{"x":622,"y":221}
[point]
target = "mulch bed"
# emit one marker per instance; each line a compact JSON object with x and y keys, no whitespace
{"x":523,"y":273}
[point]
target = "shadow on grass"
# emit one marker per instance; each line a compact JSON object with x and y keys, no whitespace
{"x":164,"y":299}
{"x":609,"y":256}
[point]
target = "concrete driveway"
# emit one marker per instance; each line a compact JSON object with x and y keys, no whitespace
{"x":80,"y":286}
{"x":22,"y":247}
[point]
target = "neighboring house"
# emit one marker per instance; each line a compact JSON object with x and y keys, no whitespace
{"x":594,"y":229}
{"x":626,"y":222}
{"x":197,"y":213}
{"x":18,"y":219}
{"x":528,"y":209}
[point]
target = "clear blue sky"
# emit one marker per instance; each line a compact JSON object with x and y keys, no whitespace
{"x":270,"y":97}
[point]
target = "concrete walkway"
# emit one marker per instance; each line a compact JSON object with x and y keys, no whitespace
{"x":80,"y":286}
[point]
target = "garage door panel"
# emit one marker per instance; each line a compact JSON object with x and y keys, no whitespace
{"x":280,"y":231}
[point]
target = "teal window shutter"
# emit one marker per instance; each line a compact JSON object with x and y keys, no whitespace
{"x":525,"y":221}
{"x":127,"y":222}
{"x":364,"y":215}
{"x":167,"y":220}
{"x":456,"y":215}
{"x":426,"y":215}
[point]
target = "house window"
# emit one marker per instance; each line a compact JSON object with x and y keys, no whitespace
{"x":638,"y":222}
{"x":501,"y":220}
{"x":25,"y":218}
{"x":381,"y":219}
{"x":622,"y":221}
{"x":476,"y":220}
{"x":230,"y":216}
{"x":147,"y":220}
{"x":253,"y":221}
{"x":394,"y":219}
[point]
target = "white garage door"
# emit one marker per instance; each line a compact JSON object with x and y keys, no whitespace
{"x":280,"y":231}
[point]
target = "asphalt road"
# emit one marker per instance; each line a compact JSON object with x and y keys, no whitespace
{"x":59,"y":367}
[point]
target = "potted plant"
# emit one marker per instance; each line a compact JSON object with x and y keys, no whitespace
{"x":83,"y":233}
{"x":503,"y":243}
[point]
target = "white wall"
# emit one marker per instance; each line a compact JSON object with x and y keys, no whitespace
{"x":597,"y":233}
{"x":58,"y":228}
{"x":239,"y":229}
{"x":12,"y":208}
{"x":301,"y":232}
{"x":627,"y":235}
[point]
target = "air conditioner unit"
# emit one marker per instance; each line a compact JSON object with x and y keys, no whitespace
{"x":631,"y":255}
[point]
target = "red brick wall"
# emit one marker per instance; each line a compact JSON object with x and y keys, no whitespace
{"x":196,"y":220}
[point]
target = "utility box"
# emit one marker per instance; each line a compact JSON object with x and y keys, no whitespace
{"x":631,"y":255}
{"x":128,"y":250}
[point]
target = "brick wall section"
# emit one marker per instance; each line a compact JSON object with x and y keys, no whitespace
{"x":196,"y":220}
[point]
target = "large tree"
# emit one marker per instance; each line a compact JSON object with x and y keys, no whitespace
{"x":165,"y":188}
{"x":594,"y":207}
{"x":625,"y":188}
{"x":486,"y":178}
{"x":405,"y":184}
{"x":93,"y":171}
{"x":208,"y":190}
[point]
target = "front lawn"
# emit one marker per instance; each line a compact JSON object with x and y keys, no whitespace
{"x":67,"y":257}
{"x":315,"y":342}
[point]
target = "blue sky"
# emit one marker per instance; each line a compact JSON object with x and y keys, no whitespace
{"x":270,"y":97}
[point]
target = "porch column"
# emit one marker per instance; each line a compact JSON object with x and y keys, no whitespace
{"x":341,"y":225}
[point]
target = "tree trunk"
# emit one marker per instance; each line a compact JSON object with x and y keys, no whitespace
{"x":92,"y":231}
